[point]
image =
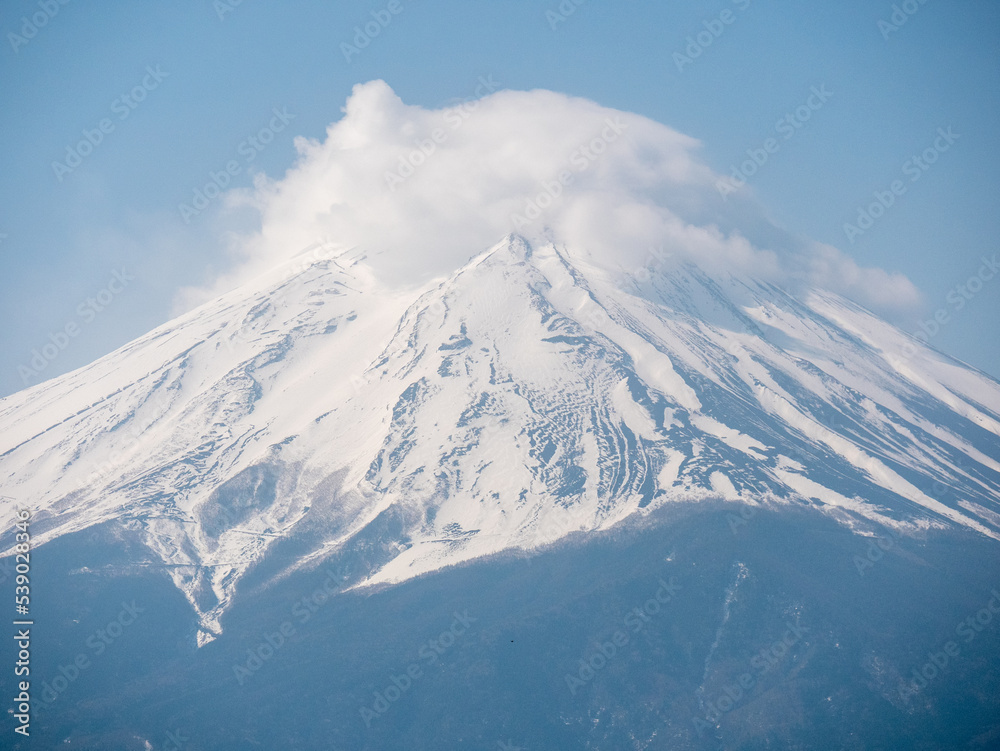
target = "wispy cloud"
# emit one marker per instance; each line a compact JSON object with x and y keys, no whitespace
{"x":609,"y":184}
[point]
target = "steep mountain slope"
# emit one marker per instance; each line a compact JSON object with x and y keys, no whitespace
{"x":528,"y":396}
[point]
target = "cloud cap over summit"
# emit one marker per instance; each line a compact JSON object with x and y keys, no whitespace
{"x":416,"y":188}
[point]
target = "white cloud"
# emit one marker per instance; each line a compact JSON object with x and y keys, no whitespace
{"x":421,"y":191}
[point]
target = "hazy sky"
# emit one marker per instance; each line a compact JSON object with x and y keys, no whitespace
{"x":837,"y":109}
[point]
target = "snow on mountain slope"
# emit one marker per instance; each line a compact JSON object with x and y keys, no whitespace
{"x":529,"y":395}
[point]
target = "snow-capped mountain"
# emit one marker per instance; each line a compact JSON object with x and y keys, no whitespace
{"x":530,"y":395}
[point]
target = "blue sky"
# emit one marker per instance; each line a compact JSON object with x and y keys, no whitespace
{"x":109,"y":229}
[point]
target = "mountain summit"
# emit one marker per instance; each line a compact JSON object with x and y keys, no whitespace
{"x":317,"y":415}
